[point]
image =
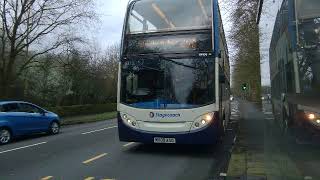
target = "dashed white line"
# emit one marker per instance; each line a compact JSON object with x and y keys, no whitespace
{"x":308,"y":178}
{"x":270,"y":118}
{"x":89,"y":178}
{"x":98,"y":130}
{"x":234,"y":139}
{"x":223,"y":174}
{"x":23,"y":147}
{"x":128,"y":144}
{"x":47,"y":178}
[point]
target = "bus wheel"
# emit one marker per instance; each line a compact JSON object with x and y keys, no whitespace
{"x":223,"y":127}
{"x":285,"y":123}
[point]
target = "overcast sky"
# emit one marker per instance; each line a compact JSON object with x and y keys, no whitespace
{"x":111,"y":13}
{"x":266,"y":25}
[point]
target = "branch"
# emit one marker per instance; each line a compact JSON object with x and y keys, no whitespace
{"x":29,"y":61}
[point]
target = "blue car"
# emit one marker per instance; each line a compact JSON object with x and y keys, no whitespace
{"x":21,"y":118}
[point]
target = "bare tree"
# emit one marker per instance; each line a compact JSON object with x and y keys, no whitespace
{"x":245,"y":43}
{"x":39,"y":25}
{"x":109,"y":64}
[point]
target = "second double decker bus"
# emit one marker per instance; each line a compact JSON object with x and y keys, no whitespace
{"x":173,"y":73}
{"x":295,"y":68}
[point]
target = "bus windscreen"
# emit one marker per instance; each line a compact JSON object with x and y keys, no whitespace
{"x":308,"y":9}
{"x":158,"y":83}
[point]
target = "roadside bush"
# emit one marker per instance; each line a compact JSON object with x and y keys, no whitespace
{"x":77,"y":110}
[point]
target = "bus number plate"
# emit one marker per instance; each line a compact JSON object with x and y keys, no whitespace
{"x":164,"y":140}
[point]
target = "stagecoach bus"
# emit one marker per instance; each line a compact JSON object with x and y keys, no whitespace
{"x":174,"y":73}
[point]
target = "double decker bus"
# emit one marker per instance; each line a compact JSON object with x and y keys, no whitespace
{"x":174,"y":73}
{"x":295,"y":67}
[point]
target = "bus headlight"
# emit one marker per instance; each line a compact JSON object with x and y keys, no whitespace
{"x":311,"y":116}
{"x":202,"y":121}
{"x":208,"y":117}
{"x":129,"y":120}
{"x":314,"y":118}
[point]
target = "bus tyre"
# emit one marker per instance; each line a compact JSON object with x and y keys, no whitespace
{"x":285,"y":123}
{"x":223,"y":128}
{"x":290,"y":133}
{"x":287,"y":129}
{"x":221,"y":132}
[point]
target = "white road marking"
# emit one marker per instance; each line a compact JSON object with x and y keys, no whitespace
{"x":89,"y":178}
{"x":23,"y":147}
{"x":268,"y":113}
{"x":47,"y":178}
{"x":223,"y":174}
{"x":271,"y":118}
{"x":131,"y":143}
{"x":98,"y":130}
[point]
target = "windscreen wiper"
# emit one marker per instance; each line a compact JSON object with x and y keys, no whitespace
{"x":147,"y":67}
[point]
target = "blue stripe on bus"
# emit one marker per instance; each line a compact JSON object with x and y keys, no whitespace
{"x":292,"y":24}
{"x":216,"y":27}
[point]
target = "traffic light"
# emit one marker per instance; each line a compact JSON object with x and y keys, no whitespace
{"x":244,"y":87}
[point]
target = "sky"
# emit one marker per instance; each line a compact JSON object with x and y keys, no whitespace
{"x":111,"y":12}
{"x":268,"y":18}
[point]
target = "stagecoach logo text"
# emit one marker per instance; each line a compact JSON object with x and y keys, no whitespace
{"x":160,"y":115}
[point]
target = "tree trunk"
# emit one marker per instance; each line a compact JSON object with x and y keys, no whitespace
{"x":4,"y":88}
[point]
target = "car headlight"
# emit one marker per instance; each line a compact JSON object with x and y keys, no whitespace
{"x":129,"y":120}
{"x":203,"y":121}
{"x":314,"y":118}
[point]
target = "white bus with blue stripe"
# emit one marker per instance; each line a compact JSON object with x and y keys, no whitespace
{"x":174,"y":72}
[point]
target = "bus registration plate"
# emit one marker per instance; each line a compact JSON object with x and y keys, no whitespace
{"x":164,"y":140}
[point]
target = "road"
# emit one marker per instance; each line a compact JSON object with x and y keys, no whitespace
{"x":93,"y":152}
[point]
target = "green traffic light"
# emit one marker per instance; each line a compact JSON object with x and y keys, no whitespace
{"x":244,"y":87}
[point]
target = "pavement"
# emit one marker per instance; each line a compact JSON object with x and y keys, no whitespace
{"x":93,"y":152}
{"x":263,"y":152}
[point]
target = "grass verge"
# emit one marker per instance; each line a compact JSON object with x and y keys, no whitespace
{"x":88,"y":118}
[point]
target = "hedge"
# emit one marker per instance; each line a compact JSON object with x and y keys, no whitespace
{"x":68,"y":111}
